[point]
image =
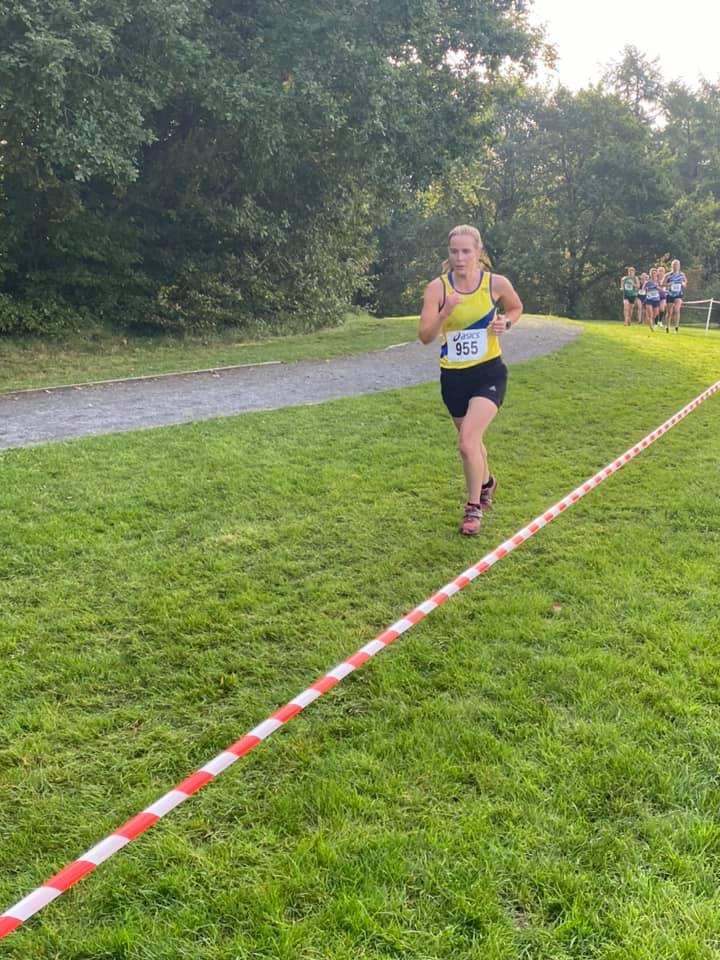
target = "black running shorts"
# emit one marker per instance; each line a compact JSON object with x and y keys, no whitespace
{"x":458,"y":387}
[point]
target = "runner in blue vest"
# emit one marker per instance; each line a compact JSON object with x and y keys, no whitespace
{"x":652,"y":299}
{"x":641,"y":296}
{"x":663,"y":295}
{"x":675,"y":283}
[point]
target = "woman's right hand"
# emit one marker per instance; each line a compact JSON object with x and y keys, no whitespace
{"x":452,"y":300}
{"x":432,"y":315}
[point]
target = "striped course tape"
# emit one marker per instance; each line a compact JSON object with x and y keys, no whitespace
{"x":69,"y":876}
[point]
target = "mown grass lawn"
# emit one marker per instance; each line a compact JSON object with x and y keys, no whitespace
{"x":532,"y":772}
{"x":31,"y":363}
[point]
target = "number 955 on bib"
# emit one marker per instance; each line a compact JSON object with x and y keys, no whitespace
{"x":464,"y":345}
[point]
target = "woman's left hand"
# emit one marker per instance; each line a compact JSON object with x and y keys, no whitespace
{"x":498,"y":325}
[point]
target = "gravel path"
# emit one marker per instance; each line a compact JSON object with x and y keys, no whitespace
{"x":41,"y":416}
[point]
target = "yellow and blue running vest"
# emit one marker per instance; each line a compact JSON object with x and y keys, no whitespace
{"x":465,"y":336}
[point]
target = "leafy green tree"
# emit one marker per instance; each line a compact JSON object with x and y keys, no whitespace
{"x":77,"y":84}
{"x":691,"y":134}
{"x":185,"y":164}
{"x":691,"y":140}
{"x":485,"y":188}
{"x":571,"y":190}
{"x":597,"y":196}
{"x":637,"y":81}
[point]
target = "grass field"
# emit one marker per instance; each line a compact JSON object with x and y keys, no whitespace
{"x":29,"y":363}
{"x":532,"y":772}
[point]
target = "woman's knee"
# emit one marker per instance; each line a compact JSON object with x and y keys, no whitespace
{"x":470,"y":446}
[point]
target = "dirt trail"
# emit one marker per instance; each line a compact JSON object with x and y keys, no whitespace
{"x":41,"y":416}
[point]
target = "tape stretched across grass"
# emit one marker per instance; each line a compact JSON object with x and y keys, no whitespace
{"x":66,"y":878}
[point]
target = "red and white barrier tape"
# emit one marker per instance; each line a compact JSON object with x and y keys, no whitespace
{"x":66,"y":878}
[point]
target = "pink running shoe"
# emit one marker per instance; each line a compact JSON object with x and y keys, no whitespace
{"x":486,"y":494}
{"x":471,"y":520}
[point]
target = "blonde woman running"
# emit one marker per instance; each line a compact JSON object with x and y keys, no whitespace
{"x":675,"y":283}
{"x":471,"y":309}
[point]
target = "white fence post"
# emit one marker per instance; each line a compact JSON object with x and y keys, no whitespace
{"x":707,"y":321}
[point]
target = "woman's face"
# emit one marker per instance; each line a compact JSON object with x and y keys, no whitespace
{"x":463,"y":252}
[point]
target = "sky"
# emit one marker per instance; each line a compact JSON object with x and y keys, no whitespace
{"x":682,"y":34}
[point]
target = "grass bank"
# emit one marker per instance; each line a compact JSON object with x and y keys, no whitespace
{"x":30,"y":363}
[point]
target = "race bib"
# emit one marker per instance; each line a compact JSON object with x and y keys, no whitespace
{"x":676,"y":287}
{"x":464,"y":345}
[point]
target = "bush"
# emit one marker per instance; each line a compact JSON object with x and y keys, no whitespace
{"x":49,"y":318}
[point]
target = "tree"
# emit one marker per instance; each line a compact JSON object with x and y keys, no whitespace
{"x":570,"y":190}
{"x":691,"y":140}
{"x":597,"y":197}
{"x":485,"y":188}
{"x":637,"y":81}
{"x":215,"y":162}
